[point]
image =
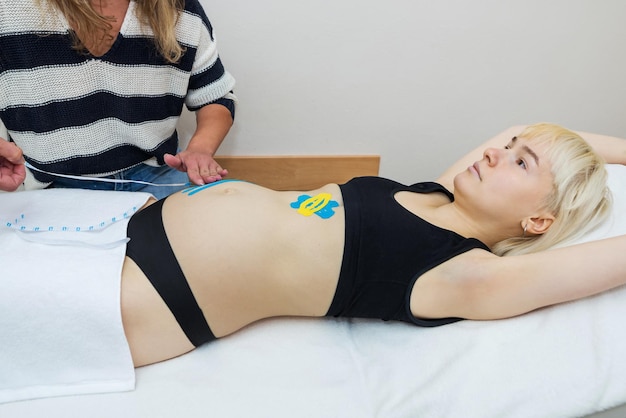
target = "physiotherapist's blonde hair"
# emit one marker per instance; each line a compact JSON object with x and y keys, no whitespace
{"x":160,"y":15}
{"x":580,"y":198}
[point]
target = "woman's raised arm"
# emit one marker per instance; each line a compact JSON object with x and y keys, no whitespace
{"x":612,"y":149}
{"x":494,"y":287}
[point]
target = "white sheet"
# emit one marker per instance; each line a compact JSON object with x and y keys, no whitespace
{"x":563,"y":361}
{"x":60,"y":300}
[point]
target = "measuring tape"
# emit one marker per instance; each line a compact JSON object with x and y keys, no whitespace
{"x":87,"y":178}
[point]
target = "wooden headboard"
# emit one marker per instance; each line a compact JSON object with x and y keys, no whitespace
{"x":298,"y":172}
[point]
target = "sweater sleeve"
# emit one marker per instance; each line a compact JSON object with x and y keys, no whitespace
{"x":209,"y":81}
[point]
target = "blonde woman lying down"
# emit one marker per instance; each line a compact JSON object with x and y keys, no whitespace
{"x":210,"y":260}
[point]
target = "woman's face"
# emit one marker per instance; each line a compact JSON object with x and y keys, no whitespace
{"x":508,"y":184}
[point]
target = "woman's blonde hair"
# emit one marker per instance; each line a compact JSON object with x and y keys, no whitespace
{"x":580,"y":198}
{"x":160,"y":15}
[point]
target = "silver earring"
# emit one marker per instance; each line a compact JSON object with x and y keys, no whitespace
{"x":524,"y":235}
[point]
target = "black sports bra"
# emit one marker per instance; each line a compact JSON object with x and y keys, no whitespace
{"x":387,"y":248}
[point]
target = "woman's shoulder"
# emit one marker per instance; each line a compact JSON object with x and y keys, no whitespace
{"x":195,"y":7}
{"x":29,"y":16}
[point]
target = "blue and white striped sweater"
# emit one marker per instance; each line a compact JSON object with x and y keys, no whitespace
{"x":82,"y":115}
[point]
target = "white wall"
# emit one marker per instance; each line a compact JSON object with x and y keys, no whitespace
{"x":417,"y":81}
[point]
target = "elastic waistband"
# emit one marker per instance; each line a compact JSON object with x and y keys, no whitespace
{"x":349,"y":263}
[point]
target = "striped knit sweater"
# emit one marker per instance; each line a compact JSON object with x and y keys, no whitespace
{"x":76,"y":114}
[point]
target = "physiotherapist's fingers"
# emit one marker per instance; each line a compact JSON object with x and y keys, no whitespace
{"x":11,"y":152}
{"x":202,"y":168}
{"x":212,"y":172}
{"x":11,"y":175}
{"x":12,"y":169}
{"x":203,"y":175}
{"x":193,"y":170}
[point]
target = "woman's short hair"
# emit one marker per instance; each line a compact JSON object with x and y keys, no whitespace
{"x":580,"y":198}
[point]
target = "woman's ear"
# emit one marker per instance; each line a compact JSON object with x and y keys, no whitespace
{"x":538,"y":225}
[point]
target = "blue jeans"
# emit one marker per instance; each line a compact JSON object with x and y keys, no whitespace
{"x":141,"y":172}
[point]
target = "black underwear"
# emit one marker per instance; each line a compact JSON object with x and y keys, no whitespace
{"x":151,"y":251}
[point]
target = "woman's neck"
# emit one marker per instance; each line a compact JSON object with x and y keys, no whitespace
{"x":488,"y":230}
{"x":115,"y":12}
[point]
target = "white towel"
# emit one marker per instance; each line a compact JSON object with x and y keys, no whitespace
{"x":61,"y":254}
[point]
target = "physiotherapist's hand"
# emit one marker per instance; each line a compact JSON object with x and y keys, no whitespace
{"x":200,"y":168}
{"x":12,"y":169}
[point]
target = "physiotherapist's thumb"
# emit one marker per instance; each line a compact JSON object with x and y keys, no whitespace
{"x":173,"y":161}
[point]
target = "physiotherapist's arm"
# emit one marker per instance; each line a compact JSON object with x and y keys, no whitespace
{"x":213,"y":122}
